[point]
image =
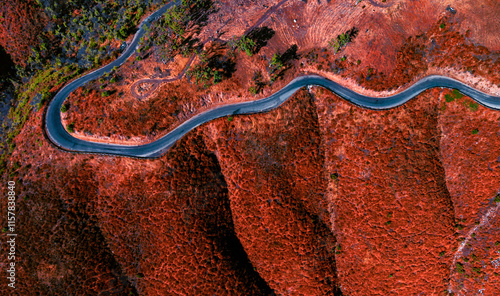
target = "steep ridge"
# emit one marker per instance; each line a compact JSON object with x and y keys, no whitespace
{"x":392,"y":213}
{"x":169,"y":224}
{"x":273,"y":164}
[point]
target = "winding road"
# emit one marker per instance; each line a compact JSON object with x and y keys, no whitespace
{"x":58,"y":135}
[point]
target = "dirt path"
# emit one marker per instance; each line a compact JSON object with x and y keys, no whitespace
{"x":156,"y":82}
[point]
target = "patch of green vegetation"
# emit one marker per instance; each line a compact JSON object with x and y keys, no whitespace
{"x":276,"y":62}
{"x":475,"y":131}
{"x":497,"y":198}
{"x":40,"y":84}
{"x":455,"y":94}
{"x":441,"y":254}
{"x":280,"y":62}
{"x":343,"y":39}
{"x":473,"y":106}
{"x":442,"y":26}
{"x":175,"y":32}
{"x":64,"y":107}
{"x":246,"y":44}
{"x":71,"y":127}
{"x":252,"y":42}
{"x":460,"y":268}
{"x":252,"y":90}
{"x":205,"y":75}
{"x":230,"y":118}
{"x":82,"y":28}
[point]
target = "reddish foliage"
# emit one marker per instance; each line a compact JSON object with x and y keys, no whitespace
{"x":131,"y":118}
{"x":22,"y":22}
{"x":171,"y":227}
{"x":277,"y":189}
{"x":471,"y":159}
{"x":60,"y":248}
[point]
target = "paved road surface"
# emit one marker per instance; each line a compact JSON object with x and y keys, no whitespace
{"x":58,"y":135}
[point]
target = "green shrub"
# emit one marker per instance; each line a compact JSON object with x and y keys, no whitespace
{"x":473,"y":106}
{"x":253,"y":90}
{"x":247,"y":45}
{"x":343,"y":39}
{"x":457,"y":94}
{"x":71,"y":127}
{"x":64,"y":107}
